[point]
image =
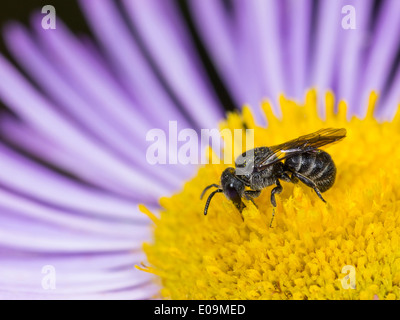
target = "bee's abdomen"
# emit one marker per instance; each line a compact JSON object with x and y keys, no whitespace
{"x":318,"y":166}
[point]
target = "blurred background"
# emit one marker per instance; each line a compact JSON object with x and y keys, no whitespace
{"x":71,"y":14}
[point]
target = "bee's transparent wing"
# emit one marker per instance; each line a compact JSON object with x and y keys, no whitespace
{"x":300,"y":145}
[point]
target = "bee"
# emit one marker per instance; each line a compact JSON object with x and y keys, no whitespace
{"x":295,"y":160}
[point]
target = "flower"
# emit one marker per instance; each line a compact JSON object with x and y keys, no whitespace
{"x":225,"y":256}
{"x":78,"y":109}
{"x":73,"y":165}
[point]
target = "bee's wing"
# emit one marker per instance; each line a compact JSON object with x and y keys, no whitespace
{"x":300,"y":145}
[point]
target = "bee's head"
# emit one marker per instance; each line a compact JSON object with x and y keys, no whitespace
{"x":233,"y":187}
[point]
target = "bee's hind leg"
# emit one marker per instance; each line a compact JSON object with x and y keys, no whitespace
{"x":285,"y":177}
{"x":277,"y":190}
{"x":293,"y":179}
{"x":309,"y":183}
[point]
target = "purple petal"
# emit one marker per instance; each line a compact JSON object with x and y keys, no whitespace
{"x":297,"y":45}
{"x":248,"y":59}
{"x":76,"y":276}
{"x":132,"y":67}
{"x":176,"y":60}
{"x":134,"y":293}
{"x":218,"y":36}
{"x":352,"y":45}
{"x":43,"y":238}
{"x":264,"y":16}
{"x":326,"y":48}
{"x":37,"y":182}
{"x":15,"y":91}
{"x":91,"y":80}
{"x":384,"y":44}
{"x":391,"y":102}
{"x":64,"y":94}
{"x":27,"y":210}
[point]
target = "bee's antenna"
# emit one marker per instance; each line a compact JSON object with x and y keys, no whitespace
{"x":209,"y":199}
{"x":206,"y":188}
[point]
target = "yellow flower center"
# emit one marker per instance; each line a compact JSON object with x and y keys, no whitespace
{"x":347,"y":248}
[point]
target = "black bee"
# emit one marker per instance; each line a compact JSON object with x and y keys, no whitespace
{"x":298,"y":159}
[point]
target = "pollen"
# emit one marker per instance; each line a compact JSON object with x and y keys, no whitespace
{"x":228,"y":255}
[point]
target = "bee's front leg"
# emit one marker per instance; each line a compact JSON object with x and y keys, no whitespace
{"x":251,"y":194}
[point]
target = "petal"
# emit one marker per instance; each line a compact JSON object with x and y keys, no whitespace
{"x":64,"y":94}
{"x":176,"y":59}
{"x":298,"y":19}
{"x":391,"y":101}
{"x":248,"y":58}
{"x":216,"y":28}
{"x":130,"y":64}
{"x":353,"y":43}
{"x":15,"y":91}
{"x":384,"y":44}
{"x":51,"y":239}
{"x":75,"y":276}
{"x":38,"y":182}
{"x":325,"y":51}
{"x":264,"y":16}
{"x":30,"y":211}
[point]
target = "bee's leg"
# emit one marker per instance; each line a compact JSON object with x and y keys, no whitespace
{"x":273,"y":216}
{"x":294,"y":179}
{"x":278,"y":189}
{"x":250,"y":194}
{"x":209,"y":199}
{"x":240,"y":206}
{"x":285,"y":177}
{"x":308,"y":183}
{"x":206,"y":188}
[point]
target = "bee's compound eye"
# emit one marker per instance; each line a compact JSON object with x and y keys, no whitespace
{"x":231,"y":192}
